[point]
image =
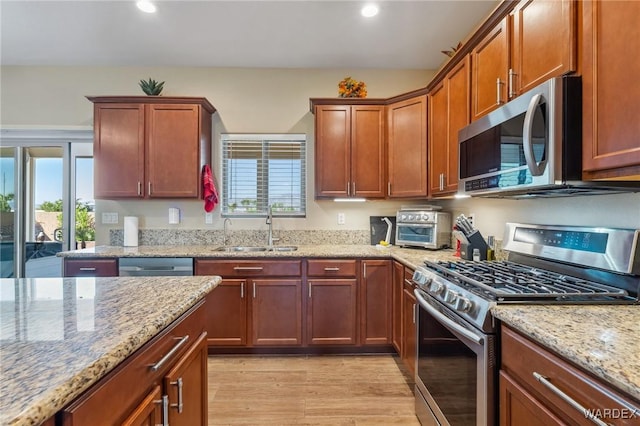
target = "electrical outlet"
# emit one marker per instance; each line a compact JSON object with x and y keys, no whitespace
{"x":208,"y":218}
{"x":341,"y":219}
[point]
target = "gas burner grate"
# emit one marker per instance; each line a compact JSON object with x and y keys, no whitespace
{"x":504,"y":280}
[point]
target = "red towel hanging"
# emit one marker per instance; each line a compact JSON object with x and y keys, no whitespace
{"x":209,"y":192}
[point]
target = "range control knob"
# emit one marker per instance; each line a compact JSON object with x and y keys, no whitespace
{"x":464,"y":304}
{"x":436,"y":287}
{"x":425,"y":217}
{"x":450,"y":297}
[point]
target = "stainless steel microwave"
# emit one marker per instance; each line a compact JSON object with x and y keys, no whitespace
{"x":530,"y":143}
{"x":531,"y":147}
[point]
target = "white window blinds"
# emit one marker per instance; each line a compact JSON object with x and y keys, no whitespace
{"x":259,"y":170}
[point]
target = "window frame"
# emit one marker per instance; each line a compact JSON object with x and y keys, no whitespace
{"x":262,"y":187}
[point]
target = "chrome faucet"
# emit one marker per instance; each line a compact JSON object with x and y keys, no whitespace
{"x":225,"y":236}
{"x":270,"y":239}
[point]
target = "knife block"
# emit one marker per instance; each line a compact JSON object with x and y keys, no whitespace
{"x":475,"y":241}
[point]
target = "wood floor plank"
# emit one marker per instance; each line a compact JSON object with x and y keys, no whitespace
{"x":310,"y":390}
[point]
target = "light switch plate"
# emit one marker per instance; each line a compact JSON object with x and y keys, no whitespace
{"x":109,"y":218}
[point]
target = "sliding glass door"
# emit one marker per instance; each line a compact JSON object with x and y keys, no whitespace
{"x":47,"y":191}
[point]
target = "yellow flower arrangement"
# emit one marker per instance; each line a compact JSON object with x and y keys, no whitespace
{"x":350,"y":88}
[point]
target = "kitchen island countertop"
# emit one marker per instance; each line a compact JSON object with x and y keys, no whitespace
{"x":602,"y":339}
{"x":61,"y":335}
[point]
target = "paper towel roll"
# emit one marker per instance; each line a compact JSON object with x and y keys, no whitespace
{"x":130,"y":231}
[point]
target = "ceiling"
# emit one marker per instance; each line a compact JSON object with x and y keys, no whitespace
{"x":272,"y":34}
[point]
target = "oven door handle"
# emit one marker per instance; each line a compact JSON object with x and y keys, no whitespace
{"x":446,"y":321}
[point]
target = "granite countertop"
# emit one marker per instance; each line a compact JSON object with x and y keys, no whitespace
{"x":602,"y":339}
{"x":58,"y":336}
{"x":411,"y":257}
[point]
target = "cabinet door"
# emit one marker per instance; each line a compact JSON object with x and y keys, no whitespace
{"x":149,"y":412}
{"x":409,"y":347}
{"x":90,"y":268}
{"x":186,"y":386}
{"x":490,"y":61}
{"x":396,"y":306}
{"x":227,"y":314}
{"x":543,"y":43}
{"x":172,"y":151}
{"x":459,"y":91}
{"x":118,"y":150}
{"x":407,"y":145}
{"x":520,"y":408}
{"x":331,"y":312}
{"x":375,"y":302}
{"x":438,"y":136}
{"x":367,"y":151}
{"x":611,"y":65}
{"x":333,"y":150}
{"x":276,"y":312}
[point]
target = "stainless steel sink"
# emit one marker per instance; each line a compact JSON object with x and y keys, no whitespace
{"x":283,"y":248}
{"x":236,"y":249}
{"x":232,"y":249}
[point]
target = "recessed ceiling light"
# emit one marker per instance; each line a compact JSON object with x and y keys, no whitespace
{"x":146,"y":6}
{"x":369,"y":10}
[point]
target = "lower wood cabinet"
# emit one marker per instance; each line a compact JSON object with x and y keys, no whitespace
{"x":258,"y":299}
{"x":409,"y":330}
{"x":298,"y":303}
{"x":332,"y":317}
{"x":536,"y":385}
{"x":164,"y":382}
{"x":375,"y":302}
{"x":92,"y":267}
{"x":397,"y":283}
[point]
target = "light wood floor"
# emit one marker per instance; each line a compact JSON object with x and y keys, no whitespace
{"x":310,"y":390}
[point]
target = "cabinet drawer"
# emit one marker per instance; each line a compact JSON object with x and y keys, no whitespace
{"x":115,"y":396}
{"x":521,"y":358}
{"x":248,"y":268}
{"x":331,"y":268}
{"x":90,"y":267}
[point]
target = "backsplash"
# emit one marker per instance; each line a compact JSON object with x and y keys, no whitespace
{"x":155,"y":237}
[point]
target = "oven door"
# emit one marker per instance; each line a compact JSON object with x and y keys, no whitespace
{"x":455,"y":372}
{"x":417,"y":235}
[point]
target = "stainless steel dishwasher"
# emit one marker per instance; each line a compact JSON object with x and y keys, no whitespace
{"x":155,"y":266}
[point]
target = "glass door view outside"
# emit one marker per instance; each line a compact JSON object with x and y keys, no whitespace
{"x":38,"y":184}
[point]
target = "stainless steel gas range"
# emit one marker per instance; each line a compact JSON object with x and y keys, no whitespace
{"x":456,"y":372}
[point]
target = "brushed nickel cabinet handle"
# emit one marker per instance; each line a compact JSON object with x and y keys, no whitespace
{"x":566,"y":398}
{"x":254,"y":289}
{"x":158,"y":365}
{"x":408,"y":282}
{"x":348,"y":189}
{"x":512,"y":90}
{"x":331,"y":269}
{"x":88,"y":269}
{"x":165,"y":410}
{"x":139,"y":188}
{"x":248,"y":268}
{"x":149,"y":187}
{"x":180,"y":404}
{"x":388,"y":188}
{"x":354,"y":189}
{"x":364,"y":270}
{"x":498,"y":97}
{"x":310,"y":290}
{"x":242,"y":290}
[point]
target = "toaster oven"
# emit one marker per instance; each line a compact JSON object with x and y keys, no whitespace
{"x":423,"y":228}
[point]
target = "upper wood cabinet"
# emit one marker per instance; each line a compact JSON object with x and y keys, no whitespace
{"x":350,"y":155}
{"x":407,"y":145}
{"x":544,"y":42}
{"x":449,"y":104}
{"x":610,"y":68}
{"x":490,"y":62}
{"x":535,"y":42}
{"x":150,"y":147}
